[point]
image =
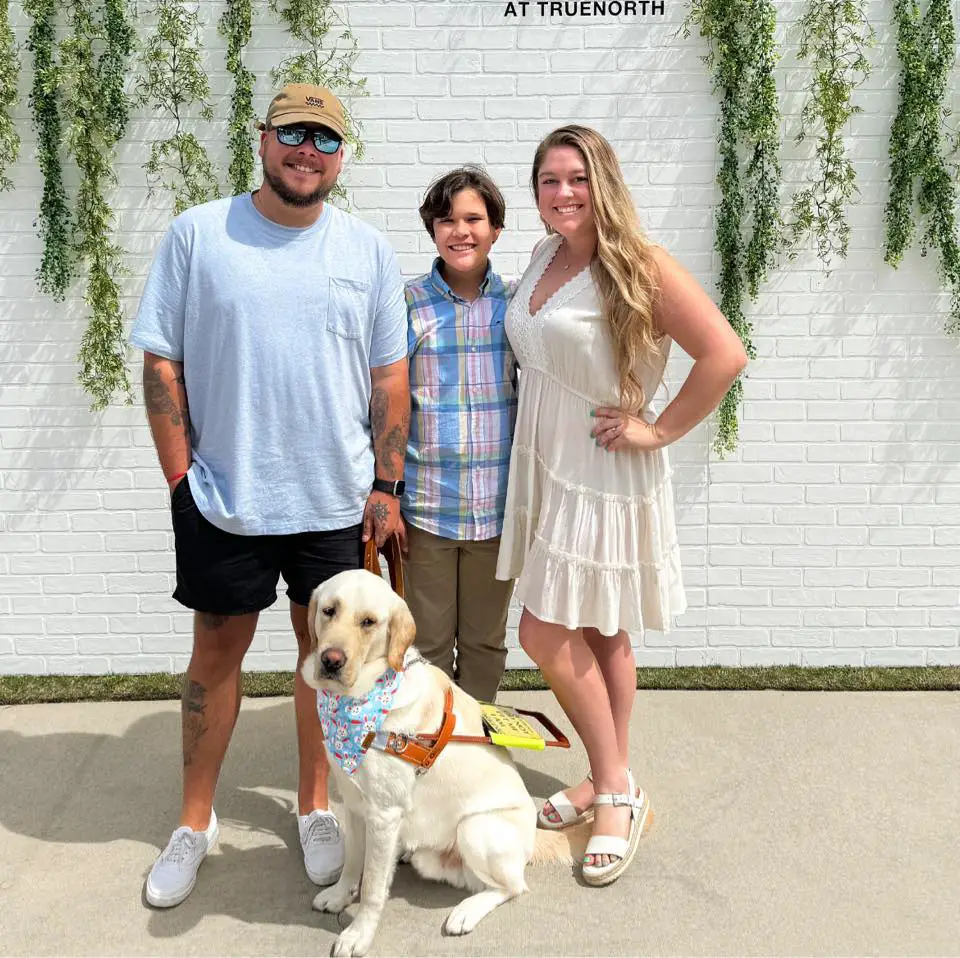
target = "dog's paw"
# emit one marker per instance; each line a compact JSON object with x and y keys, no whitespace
{"x":334,"y":899}
{"x":464,"y":918}
{"x":355,"y":941}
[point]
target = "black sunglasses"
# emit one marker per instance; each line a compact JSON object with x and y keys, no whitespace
{"x":323,"y":140}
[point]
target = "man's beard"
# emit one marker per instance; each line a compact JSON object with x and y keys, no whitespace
{"x":292,"y":198}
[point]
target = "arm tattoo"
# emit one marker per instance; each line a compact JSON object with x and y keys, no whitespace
{"x":394,"y":443}
{"x":159,"y":400}
{"x":379,"y":404}
{"x":389,"y":443}
{"x":193,"y":707}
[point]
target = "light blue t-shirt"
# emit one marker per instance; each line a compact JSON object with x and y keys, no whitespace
{"x":277,"y":329}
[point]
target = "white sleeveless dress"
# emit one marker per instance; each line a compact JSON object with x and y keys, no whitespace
{"x":590,"y":535}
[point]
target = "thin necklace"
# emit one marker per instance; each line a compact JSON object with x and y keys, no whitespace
{"x":566,"y":256}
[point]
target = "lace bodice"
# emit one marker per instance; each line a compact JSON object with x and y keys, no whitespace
{"x":568,"y":339}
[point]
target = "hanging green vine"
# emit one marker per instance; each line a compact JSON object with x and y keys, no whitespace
{"x":834,"y":37}
{"x":173,"y":81}
{"x":96,"y":109}
{"x":315,"y":24}
{"x":9,"y":74}
{"x":235,"y":27}
{"x":742,"y":55}
{"x":918,"y":163}
{"x":53,"y":218}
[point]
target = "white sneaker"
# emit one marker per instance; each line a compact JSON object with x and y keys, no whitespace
{"x":174,"y":873}
{"x":322,"y":846}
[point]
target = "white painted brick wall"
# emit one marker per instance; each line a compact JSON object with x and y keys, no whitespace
{"x":831,"y":537}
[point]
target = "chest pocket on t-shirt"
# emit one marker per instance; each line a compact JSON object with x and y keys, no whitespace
{"x":348,"y":307}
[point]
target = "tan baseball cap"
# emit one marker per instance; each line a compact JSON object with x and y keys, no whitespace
{"x":303,"y":103}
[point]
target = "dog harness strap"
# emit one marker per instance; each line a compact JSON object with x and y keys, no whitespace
{"x":415,"y":750}
{"x":447,"y":725}
{"x":470,"y":739}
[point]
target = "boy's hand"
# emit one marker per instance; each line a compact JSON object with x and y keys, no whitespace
{"x":402,"y":536}
{"x":380,"y":517}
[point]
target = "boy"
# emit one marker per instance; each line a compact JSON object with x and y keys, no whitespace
{"x":463,"y":390}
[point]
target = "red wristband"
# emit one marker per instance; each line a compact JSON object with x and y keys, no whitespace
{"x":179,"y":475}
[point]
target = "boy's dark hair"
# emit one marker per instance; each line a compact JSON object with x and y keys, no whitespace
{"x":439,"y":199}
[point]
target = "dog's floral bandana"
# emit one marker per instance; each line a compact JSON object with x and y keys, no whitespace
{"x":346,"y":720}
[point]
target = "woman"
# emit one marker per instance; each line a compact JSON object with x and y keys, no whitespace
{"x":589,"y":530}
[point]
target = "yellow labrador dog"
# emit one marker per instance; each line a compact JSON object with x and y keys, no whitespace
{"x":467,"y":820}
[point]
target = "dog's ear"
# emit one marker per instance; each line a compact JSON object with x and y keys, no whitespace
{"x":312,"y":619}
{"x":401,"y":631}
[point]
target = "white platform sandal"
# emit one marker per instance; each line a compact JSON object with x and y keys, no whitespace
{"x":623,"y":848}
{"x":569,"y":815}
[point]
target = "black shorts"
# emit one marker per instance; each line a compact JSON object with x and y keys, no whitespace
{"x":227,"y":574}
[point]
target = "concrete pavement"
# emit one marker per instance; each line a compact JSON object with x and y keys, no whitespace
{"x":786,"y":824}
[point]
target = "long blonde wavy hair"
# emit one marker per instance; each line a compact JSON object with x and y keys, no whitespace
{"x":623,"y":269}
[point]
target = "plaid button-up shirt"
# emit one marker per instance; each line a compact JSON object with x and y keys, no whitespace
{"x":463,"y":394}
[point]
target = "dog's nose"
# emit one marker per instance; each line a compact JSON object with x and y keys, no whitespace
{"x":333,"y":660}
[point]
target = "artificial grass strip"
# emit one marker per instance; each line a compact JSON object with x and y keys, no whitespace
{"x":35,"y":689}
{"x":785,"y":678}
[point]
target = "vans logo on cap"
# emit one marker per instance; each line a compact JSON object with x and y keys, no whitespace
{"x":314,"y":101}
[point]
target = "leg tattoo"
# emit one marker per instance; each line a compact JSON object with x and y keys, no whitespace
{"x":193,"y":708}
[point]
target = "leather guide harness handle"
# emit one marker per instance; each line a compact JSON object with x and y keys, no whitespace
{"x":560,"y":740}
{"x":391,"y":551}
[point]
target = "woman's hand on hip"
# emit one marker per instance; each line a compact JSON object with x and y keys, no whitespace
{"x":616,"y":430}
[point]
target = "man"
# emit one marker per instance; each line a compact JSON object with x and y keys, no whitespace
{"x":275,"y":378}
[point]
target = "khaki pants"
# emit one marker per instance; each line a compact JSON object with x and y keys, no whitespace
{"x":457,"y":602}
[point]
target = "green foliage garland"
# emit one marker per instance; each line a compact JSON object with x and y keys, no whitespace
{"x":173,"y":81}
{"x":917,"y":155}
{"x":835,"y":34}
{"x":312,"y":23}
{"x":9,"y":73}
{"x":96,"y":109}
{"x":235,"y":27}
{"x":742,"y":55}
{"x":56,"y":266}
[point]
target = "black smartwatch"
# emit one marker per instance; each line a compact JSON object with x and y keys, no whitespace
{"x":393,"y":487}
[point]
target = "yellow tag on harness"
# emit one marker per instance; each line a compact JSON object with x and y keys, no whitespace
{"x":509,"y":729}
